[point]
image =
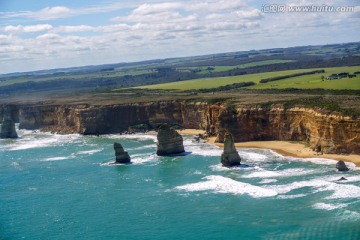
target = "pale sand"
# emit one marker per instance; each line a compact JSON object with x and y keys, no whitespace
{"x":191,"y":131}
{"x":297,"y":149}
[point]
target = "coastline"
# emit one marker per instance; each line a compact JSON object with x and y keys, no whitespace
{"x":286,"y":148}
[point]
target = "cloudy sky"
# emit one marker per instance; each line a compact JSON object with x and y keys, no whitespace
{"x":44,"y":34}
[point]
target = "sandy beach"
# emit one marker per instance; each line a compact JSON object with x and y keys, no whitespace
{"x":294,"y":149}
{"x":191,"y":131}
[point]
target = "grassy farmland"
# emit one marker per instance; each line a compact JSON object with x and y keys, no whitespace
{"x":302,"y":82}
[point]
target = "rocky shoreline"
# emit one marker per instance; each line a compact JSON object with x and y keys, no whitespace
{"x":331,"y":132}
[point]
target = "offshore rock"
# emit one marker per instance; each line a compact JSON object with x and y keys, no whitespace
{"x":340,"y":165}
{"x":342,"y":179}
{"x":120,"y":154}
{"x":8,"y":129}
{"x":230,"y":157}
{"x":169,"y":141}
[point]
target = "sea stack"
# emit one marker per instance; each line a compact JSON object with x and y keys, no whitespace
{"x":341,"y":166}
{"x":8,"y":128}
{"x":230,"y":157}
{"x":169,"y":141}
{"x":120,"y":154}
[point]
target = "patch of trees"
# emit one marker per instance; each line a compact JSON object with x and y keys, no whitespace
{"x":107,"y":69}
{"x":227,"y":87}
{"x":265,"y":80}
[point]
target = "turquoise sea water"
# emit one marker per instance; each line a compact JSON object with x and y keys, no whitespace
{"x":62,"y":187}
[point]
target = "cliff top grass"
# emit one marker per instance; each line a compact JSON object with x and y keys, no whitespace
{"x":312,"y":81}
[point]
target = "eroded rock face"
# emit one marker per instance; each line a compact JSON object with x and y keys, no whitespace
{"x":230,"y":157}
{"x":333,"y":132}
{"x":8,"y":129}
{"x":120,"y":155}
{"x":169,"y":141}
{"x":8,"y":124}
{"x":104,"y":119}
{"x":341,"y":166}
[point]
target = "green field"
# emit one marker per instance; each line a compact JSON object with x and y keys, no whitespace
{"x":302,"y":82}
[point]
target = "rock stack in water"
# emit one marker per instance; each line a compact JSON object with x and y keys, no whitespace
{"x":120,"y":154}
{"x":340,"y":165}
{"x":230,"y":157}
{"x":8,"y":128}
{"x":169,"y":141}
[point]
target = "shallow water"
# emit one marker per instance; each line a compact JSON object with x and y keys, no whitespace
{"x":62,"y":187}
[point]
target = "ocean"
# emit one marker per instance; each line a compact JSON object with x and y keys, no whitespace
{"x":63,"y":187}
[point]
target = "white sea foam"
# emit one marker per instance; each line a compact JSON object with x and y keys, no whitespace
{"x":327,"y":206}
{"x":338,"y":190}
{"x":33,"y":143}
{"x":42,"y":140}
{"x":220,"y":184}
{"x":323,"y":161}
{"x":17,"y":166}
{"x":141,"y":148}
{"x":202,"y":149}
{"x":143,"y":158}
{"x":90,"y":152}
{"x":335,"y":178}
{"x":261,"y":173}
{"x":55,"y":159}
{"x":265,"y":181}
{"x":319,"y":161}
{"x":220,"y":168}
{"x":253,"y":157}
{"x":24,"y":132}
{"x":291,"y":196}
{"x":349,"y":215}
{"x":137,"y":136}
{"x":136,"y":159}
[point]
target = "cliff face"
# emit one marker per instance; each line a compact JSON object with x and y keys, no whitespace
{"x":63,"y":119}
{"x":331,"y":133}
{"x":109,"y":118}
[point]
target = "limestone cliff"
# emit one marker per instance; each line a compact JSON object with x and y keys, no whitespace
{"x":8,"y":129}
{"x":120,"y":155}
{"x":87,"y":119}
{"x":230,"y":157}
{"x":329,"y":132}
{"x":169,"y":141}
{"x":8,"y":125}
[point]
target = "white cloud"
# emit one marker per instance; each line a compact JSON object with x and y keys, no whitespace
{"x":48,"y":36}
{"x":60,"y":12}
{"x":147,"y":9}
{"x":73,"y":29}
{"x":27,"y":29}
{"x":254,"y":14}
{"x":47,"y":13}
{"x":167,"y":29}
{"x":11,"y":49}
{"x":52,"y":13}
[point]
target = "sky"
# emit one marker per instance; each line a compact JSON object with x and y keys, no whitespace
{"x":47,"y":34}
